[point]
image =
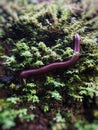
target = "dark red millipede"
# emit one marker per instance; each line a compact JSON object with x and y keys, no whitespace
{"x":47,"y":68}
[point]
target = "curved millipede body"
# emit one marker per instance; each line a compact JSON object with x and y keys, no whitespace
{"x":57,"y":65}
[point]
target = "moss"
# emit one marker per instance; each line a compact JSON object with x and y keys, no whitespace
{"x":42,"y":35}
{"x":1,"y":50}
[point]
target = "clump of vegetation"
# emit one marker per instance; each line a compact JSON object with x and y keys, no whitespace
{"x":9,"y":112}
{"x":41,"y":35}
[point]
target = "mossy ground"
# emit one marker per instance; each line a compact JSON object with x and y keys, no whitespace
{"x":42,"y":34}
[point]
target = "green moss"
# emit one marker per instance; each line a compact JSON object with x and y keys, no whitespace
{"x":1,"y":50}
{"x":43,"y":34}
{"x":7,"y":117}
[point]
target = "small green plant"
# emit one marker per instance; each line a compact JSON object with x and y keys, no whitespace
{"x":7,"y":117}
{"x":13,"y":100}
{"x":60,"y":122}
{"x":56,"y":95}
{"x":46,"y":107}
{"x":82,"y":125}
{"x":54,"y":82}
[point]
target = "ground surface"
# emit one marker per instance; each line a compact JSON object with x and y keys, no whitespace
{"x":62,"y":100}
